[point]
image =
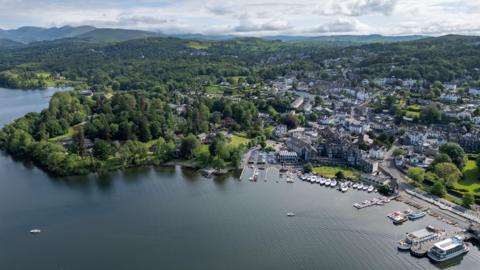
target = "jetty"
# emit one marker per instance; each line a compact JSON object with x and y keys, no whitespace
{"x":421,"y":249}
{"x":372,"y":202}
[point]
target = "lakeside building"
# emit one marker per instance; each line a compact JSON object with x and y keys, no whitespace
{"x":285,"y":156}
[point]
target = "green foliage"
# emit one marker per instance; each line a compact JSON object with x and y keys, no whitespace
{"x":102,"y":149}
{"x":448,"y":172}
{"x":188,"y":145}
{"x":398,"y":152}
{"x":468,"y":200}
{"x":417,"y":174}
{"x":430,"y":115}
{"x":308,"y":167}
{"x":439,"y":189}
{"x":455,"y":152}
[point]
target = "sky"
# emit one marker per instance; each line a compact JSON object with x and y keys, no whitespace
{"x":252,"y":17}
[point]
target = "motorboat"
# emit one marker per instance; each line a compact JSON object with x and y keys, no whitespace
{"x":35,"y":231}
{"x":448,"y":249}
{"x":333,"y":183}
{"x":416,"y":215}
{"x":290,"y":214}
{"x":370,"y":189}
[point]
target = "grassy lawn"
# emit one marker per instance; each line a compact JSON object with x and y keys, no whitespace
{"x":215,"y":89}
{"x":413,"y":114}
{"x":328,"y":171}
{"x":471,"y":178}
{"x":197,"y":45}
{"x":415,"y":108}
{"x":69,"y":134}
{"x":238,"y":140}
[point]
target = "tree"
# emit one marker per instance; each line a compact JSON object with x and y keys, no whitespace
{"x":417,"y":174}
{"x":441,"y":158}
{"x":188,"y":145}
{"x":290,"y":121}
{"x":430,"y":115}
{"x":438,"y":189}
{"x":308,"y":167}
{"x":398,"y":152}
{"x":78,"y":146}
{"x":102,"y":149}
{"x":468,"y":200}
{"x":455,"y":152}
{"x":448,"y":172}
{"x":340,"y":175}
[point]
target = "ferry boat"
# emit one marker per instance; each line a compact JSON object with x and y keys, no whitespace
{"x":416,"y":215}
{"x":447,"y":249}
{"x":416,"y":237}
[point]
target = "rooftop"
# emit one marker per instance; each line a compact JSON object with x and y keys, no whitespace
{"x":448,"y":244}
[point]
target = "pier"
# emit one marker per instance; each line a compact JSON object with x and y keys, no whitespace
{"x":421,"y":249}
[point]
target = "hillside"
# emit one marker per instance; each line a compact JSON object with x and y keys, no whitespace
{"x":114,"y":35}
{"x":10,"y":44}
{"x":32,"y":34}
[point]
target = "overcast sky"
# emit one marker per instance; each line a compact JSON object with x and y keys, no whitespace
{"x":252,"y":17}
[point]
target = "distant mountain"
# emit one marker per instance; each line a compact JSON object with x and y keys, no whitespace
{"x":346,"y":40}
{"x":10,"y":44}
{"x":114,"y":35}
{"x":30,"y":34}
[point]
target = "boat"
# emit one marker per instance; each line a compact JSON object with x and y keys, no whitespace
{"x":355,"y":186}
{"x":365,"y":188}
{"x":400,"y":219}
{"x":290,"y":214}
{"x":333,"y":183}
{"x":370,"y":189}
{"x":416,"y":215}
{"x":35,"y":231}
{"x":416,"y":238}
{"x":344,"y":188}
{"x":448,"y":249}
{"x":251,"y":178}
{"x":289,"y":180}
{"x":360,"y":186}
{"x":322,"y":181}
{"x":328,"y":182}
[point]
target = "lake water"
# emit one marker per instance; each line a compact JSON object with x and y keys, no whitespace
{"x":172,"y":218}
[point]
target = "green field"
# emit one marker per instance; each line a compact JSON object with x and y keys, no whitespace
{"x":197,"y":45}
{"x":471,"y":178}
{"x":413,"y":114}
{"x":238,"y":140}
{"x":69,"y":134}
{"x":329,"y":171}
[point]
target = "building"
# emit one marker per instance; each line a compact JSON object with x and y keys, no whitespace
{"x":280,"y":131}
{"x":287,"y":157}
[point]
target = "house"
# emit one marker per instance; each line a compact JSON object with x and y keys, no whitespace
{"x":285,"y":156}
{"x":376,"y":153}
{"x":280,"y":131}
{"x":297,"y":103}
{"x":365,"y":82}
{"x":449,"y":98}
{"x":474,"y":92}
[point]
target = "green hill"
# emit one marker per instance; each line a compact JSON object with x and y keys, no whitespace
{"x":114,"y":35}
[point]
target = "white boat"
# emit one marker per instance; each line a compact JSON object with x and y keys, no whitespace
{"x":328,"y":182}
{"x":290,"y":214}
{"x":35,"y":231}
{"x":344,"y":187}
{"x":289,"y":180}
{"x":365,"y":188}
{"x":448,"y":249}
{"x":322,"y":181}
{"x":370,"y":189}
{"x":333,"y":183}
{"x":360,"y":186}
{"x":355,"y":186}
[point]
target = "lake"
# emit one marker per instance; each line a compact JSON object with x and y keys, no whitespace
{"x":173,"y":218}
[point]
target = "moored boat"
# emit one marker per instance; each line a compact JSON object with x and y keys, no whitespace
{"x":370,"y":189}
{"x":35,"y":231}
{"x":448,"y":249}
{"x":416,"y":215}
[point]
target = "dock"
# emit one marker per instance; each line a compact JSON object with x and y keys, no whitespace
{"x":421,"y":249}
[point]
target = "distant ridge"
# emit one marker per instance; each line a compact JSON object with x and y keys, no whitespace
{"x":114,"y":35}
{"x":30,"y":34}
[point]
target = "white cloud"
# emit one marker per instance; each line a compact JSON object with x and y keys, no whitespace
{"x":252,"y":17}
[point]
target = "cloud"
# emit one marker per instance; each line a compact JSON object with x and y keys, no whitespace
{"x":247,"y":24}
{"x":338,"y":26}
{"x":358,"y":7}
{"x":264,"y":17}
